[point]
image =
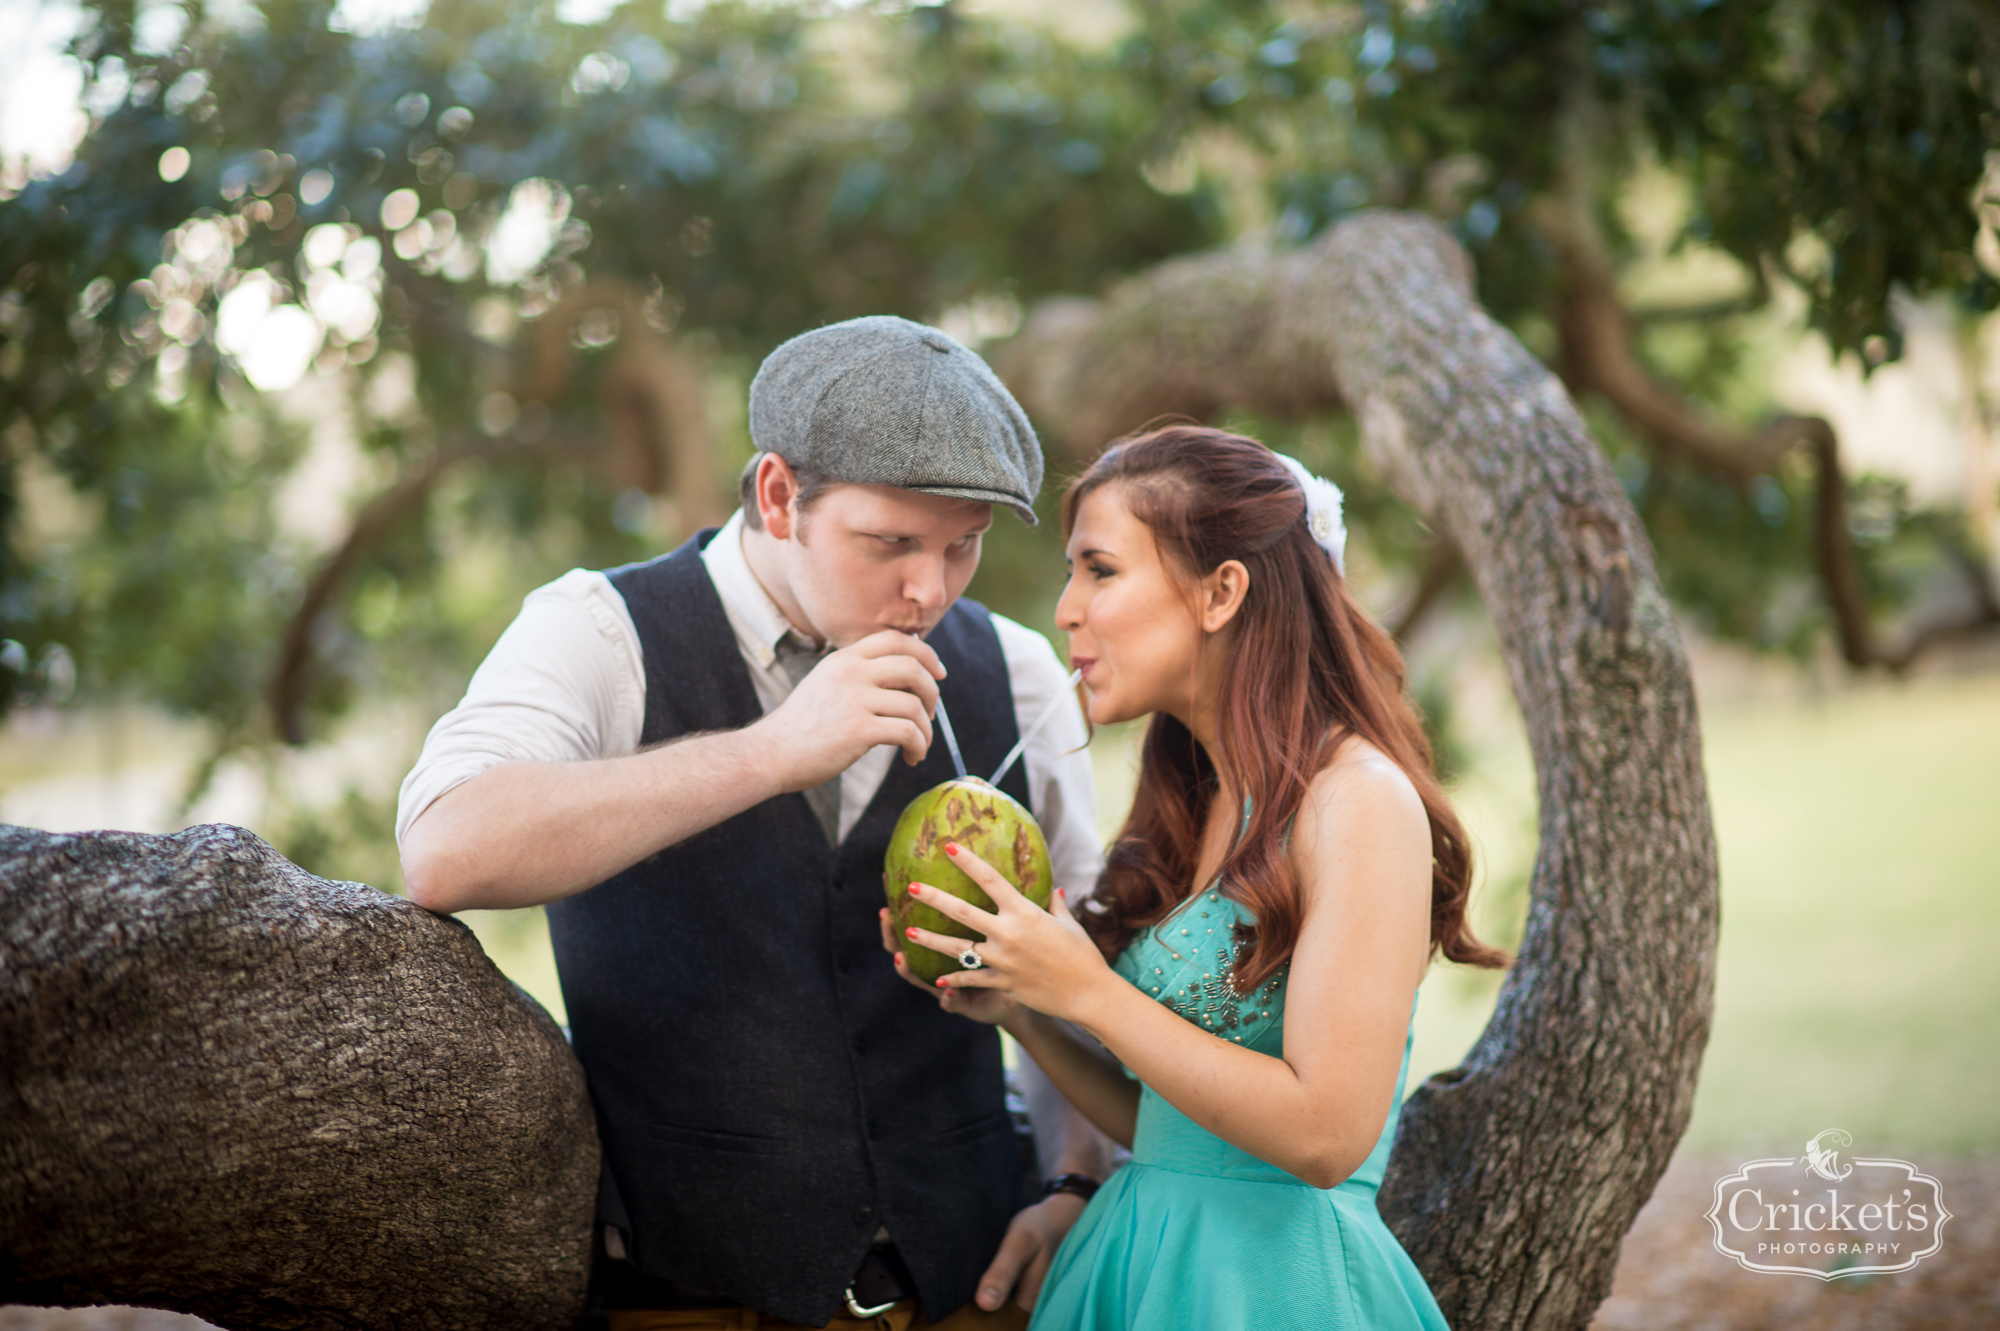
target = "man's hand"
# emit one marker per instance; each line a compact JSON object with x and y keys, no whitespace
{"x":880,"y":690}
{"x":1023,"y":1260}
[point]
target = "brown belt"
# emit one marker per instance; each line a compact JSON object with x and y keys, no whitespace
{"x":881,"y":1295}
{"x":900,"y":1317}
{"x":905,"y":1316}
{"x":880,"y":1284}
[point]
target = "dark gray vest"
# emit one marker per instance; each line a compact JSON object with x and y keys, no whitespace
{"x":768,"y":1090}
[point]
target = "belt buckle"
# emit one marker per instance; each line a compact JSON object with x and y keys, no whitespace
{"x":856,"y":1310}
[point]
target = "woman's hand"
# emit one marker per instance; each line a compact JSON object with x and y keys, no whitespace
{"x":1041,"y":958}
{"x":988,"y":1007}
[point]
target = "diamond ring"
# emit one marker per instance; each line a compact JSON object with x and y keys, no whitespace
{"x":970,"y":958}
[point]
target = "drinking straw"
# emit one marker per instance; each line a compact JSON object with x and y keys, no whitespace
{"x":1040,"y":721}
{"x":950,"y":740}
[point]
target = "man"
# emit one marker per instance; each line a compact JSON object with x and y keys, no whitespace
{"x":697,"y":762}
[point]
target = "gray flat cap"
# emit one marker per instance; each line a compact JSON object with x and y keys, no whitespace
{"x":884,"y":401}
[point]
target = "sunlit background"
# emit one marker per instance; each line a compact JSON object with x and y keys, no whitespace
{"x":453,"y":300}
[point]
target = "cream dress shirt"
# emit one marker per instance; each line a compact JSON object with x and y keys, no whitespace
{"x":566,"y":682}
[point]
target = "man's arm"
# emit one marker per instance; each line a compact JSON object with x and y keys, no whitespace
{"x":525,"y":832}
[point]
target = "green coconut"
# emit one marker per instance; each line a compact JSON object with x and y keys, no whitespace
{"x":986,"y":821}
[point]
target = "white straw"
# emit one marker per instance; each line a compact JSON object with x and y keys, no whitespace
{"x":1040,"y":721}
{"x":951,"y":740}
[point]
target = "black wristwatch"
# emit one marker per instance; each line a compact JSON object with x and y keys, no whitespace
{"x":1080,"y":1185}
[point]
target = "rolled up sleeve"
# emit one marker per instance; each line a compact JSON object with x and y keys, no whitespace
{"x":564,"y":683}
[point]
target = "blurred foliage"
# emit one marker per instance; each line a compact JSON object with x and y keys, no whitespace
{"x":414,"y":200}
{"x":263,"y":196}
{"x":345,"y":840}
{"x":1832,"y":143}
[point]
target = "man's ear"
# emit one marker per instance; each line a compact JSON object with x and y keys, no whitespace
{"x":777,"y":486}
{"x":1222,"y":594}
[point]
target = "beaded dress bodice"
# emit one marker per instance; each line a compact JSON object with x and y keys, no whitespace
{"x":1187,"y":962}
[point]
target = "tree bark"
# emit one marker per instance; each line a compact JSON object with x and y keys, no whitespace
{"x":237,"y":1090}
{"x":1515,"y":1176}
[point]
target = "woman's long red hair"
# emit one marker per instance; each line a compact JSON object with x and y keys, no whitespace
{"x":1306,"y":668}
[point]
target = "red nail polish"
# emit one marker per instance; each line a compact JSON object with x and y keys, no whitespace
{"x":911,"y":932}
{"x":913,"y":888}
{"x":951,"y":848}
{"x":942,"y":984}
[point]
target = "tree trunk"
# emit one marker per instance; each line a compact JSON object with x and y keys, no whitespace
{"x":237,"y":1090}
{"x":1515,"y":1176}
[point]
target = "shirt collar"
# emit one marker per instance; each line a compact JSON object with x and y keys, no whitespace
{"x":753,"y":615}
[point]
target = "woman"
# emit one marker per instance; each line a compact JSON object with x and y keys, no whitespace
{"x":1252,"y":954}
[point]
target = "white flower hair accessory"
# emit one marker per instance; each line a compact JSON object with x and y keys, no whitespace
{"x":1322,"y":510}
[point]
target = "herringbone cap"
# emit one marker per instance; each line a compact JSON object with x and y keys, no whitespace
{"x":884,"y":401}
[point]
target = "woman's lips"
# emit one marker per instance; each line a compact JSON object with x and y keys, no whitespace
{"x":1083,"y":664}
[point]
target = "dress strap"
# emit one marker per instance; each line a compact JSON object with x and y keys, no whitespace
{"x":1287,"y":842}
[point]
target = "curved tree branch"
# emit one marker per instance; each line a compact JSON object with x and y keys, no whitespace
{"x":1595,"y":334}
{"x":1441,"y":569}
{"x":1984,"y":615}
{"x":660,"y":442}
{"x":1516,"y":1176}
{"x":1189,"y":337}
{"x":1702,"y":311}
{"x":377,"y":517}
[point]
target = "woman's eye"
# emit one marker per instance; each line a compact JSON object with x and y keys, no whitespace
{"x":1098,"y":571}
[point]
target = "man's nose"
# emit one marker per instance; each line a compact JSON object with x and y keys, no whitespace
{"x":924,"y":584}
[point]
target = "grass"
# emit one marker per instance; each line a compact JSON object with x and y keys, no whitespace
{"x":1860,"y":844}
{"x":1860,"y":848}
{"x":1859,"y":836}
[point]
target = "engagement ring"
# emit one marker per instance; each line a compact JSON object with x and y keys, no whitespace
{"x":970,"y":958}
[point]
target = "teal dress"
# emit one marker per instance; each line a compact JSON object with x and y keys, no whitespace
{"x":1198,"y":1233}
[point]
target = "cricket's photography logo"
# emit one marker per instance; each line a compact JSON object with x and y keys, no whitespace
{"x":1828,"y":1214}
{"x":1823,"y":1155}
